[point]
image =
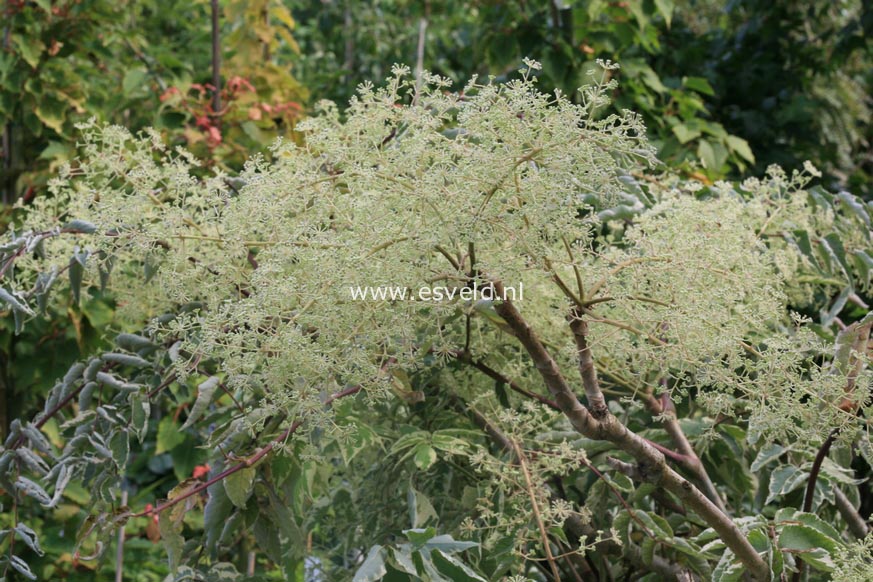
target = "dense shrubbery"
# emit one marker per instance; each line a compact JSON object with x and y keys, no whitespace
{"x":682,"y":391}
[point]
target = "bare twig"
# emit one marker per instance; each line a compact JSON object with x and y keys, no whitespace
{"x":536,"y":510}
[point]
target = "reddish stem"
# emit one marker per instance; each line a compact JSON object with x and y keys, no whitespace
{"x":245,"y":463}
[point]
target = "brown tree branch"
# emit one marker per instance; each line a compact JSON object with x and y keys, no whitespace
{"x":243,"y":464}
{"x":853,"y":519}
{"x":651,"y":462}
{"x":688,"y":459}
{"x":596,"y":401}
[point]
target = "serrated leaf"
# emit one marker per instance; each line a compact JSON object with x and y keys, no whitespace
{"x":740,"y":147}
{"x":239,"y":485}
{"x":685,"y":134}
{"x":808,"y":544}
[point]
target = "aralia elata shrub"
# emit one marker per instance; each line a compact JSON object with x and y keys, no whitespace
{"x":682,"y":392}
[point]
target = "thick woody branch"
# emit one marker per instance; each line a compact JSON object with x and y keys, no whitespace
{"x":557,"y":386}
{"x":850,"y":514}
{"x":573,"y":525}
{"x":596,"y":401}
{"x":689,"y":459}
{"x":650,"y":462}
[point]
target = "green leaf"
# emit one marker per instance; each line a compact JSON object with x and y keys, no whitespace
{"x":29,"y":537}
{"x":82,"y":226}
{"x":239,"y":486}
{"x":665,"y":7}
{"x":856,"y":206}
{"x":421,"y":511}
{"x":864,"y":263}
{"x":834,"y":246}
{"x":16,"y":304}
{"x":657,"y":524}
{"x":706,"y":153}
{"x":373,"y":567}
{"x":140,"y":409}
{"x":784,"y":479}
{"x":448,"y":545}
{"x":789,"y":514}
{"x":647,"y":550}
{"x":425,"y":456}
{"x":52,"y":113}
{"x":32,"y":489}
{"x":699,"y":84}
{"x":454,"y":569}
{"x":133,"y":80}
{"x":218,"y":509}
{"x":418,"y":537}
{"x":802,"y":241}
{"x":169,"y":435}
{"x":56,"y":150}
{"x":728,"y":569}
{"x":685,"y":134}
{"x":204,"y":397}
{"x":767,"y":454}
{"x":125,"y":360}
{"x":267,"y":537}
{"x":808,"y":544}
{"x":740,"y":147}
{"x":172,"y":539}
{"x":21,"y":567}
{"x":29,"y":47}
{"x":119,"y":444}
